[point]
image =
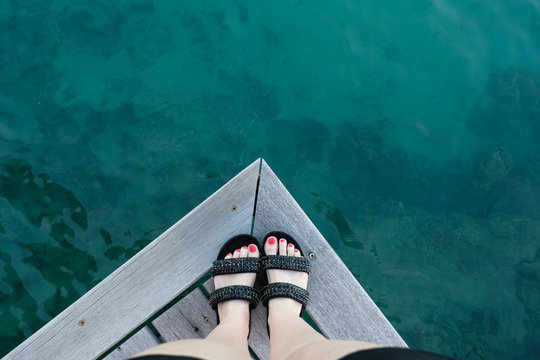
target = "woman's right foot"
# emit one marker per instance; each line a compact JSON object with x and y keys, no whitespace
{"x":283,"y":308}
{"x":290,"y":336}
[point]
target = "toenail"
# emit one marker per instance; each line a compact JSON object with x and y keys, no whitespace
{"x":295,"y":250}
{"x":282,"y":240}
{"x":252,"y":248}
{"x":229,"y":254}
{"x":272,"y":240}
{"x":237,"y":250}
{"x":291,"y":245}
{"x":244,"y":247}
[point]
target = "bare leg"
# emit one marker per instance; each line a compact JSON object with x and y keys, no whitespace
{"x":229,"y":339}
{"x":290,"y":336}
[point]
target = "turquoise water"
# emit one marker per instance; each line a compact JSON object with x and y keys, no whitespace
{"x":405,"y":129}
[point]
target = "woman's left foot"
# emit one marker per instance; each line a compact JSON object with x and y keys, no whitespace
{"x":284,"y":307}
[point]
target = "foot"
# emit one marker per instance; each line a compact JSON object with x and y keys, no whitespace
{"x":236,"y":312}
{"x":283,"y":308}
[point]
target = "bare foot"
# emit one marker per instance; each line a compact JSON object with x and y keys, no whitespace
{"x":236,"y":311}
{"x":284,"y":307}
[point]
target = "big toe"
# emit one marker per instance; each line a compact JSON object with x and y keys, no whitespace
{"x":271,"y":246}
{"x":253,"y":250}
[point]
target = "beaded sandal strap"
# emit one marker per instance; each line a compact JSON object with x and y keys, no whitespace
{"x":285,"y":263}
{"x":287,"y":290}
{"x":233,"y":266}
{"x":234,"y":292}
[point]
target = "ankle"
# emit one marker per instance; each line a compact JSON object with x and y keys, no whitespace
{"x":283,"y":310}
{"x":284,"y":306}
{"x":236,"y":311}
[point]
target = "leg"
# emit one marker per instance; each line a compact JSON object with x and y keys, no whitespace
{"x":290,"y":336}
{"x":229,"y":339}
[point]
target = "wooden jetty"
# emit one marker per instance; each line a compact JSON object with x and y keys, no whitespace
{"x":160,"y":294}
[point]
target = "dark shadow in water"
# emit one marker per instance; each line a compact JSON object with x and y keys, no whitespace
{"x":510,"y":111}
{"x":58,"y":258}
{"x":21,"y":312}
{"x":35,"y":196}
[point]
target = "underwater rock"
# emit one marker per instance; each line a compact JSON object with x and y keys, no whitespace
{"x":492,"y":167}
{"x":36,"y":197}
{"x":435,"y":229}
{"x":354,"y":158}
{"x":518,"y":196}
{"x":511,"y":107}
{"x":388,"y":208}
{"x":367,"y":143}
{"x":91,"y":25}
{"x":528,"y":292}
{"x":157,"y":41}
{"x":243,"y":14}
{"x":17,"y":306}
{"x":311,"y":139}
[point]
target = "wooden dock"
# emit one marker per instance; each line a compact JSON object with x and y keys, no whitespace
{"x":160,"y":294}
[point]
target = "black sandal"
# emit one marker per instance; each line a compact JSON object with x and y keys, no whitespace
{"x":280,"y":289}
{"x":224,"y":266}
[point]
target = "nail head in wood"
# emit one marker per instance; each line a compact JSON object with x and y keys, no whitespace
{"x":206,"y":319}
{"x":234,"y":208}
{"x":82,"y":322}
{"x":312,"y":255}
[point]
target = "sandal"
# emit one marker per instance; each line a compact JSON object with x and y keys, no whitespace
{"x":281,"y":289}
{"x":224,"y":266}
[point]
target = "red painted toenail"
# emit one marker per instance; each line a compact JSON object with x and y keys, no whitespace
{"x":237,"y":250}
{"x":229,"y":254}
{"x":244,"y":247}
{"x":272,"y":240}
{"x":252,"y":248}
{"x":282,"y":240}
{"x":295,"y":250}
{"x":291,"y":245}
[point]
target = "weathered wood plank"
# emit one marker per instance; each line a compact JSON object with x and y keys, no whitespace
{"x":338,"y":304}
{"x":190,"y":318}
{"x":148,"y":281}
{"x":258,"y":337}
{"x":141,"y":341}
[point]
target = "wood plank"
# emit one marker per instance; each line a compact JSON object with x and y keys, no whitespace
{"x":341,"y":309}
{"x":148,"y":281}
{"x":142,"y":340}
{"x":258,"y":337}
{"x":190,"y":318}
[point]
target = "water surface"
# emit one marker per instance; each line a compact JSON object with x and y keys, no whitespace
{"x":407,"y":130}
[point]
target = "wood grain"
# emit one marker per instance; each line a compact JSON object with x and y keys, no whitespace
{"x":338,"y":304}
{"x":141,"y":341}
{"x":190,"y":318}
{"x":148,"y":281}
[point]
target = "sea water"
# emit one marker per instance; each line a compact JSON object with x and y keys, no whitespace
{"x":407,"y":130}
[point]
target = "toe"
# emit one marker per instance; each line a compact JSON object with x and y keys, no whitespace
{"x":290,"y":250}
{"x":297,"y":253}
{"x":283,"y":247}
{"x":236,"y":253}
{"x":271,"y":246}
{"x":228,"y":256}
{"x":244,"y":251}
{"x":253,"y":250}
